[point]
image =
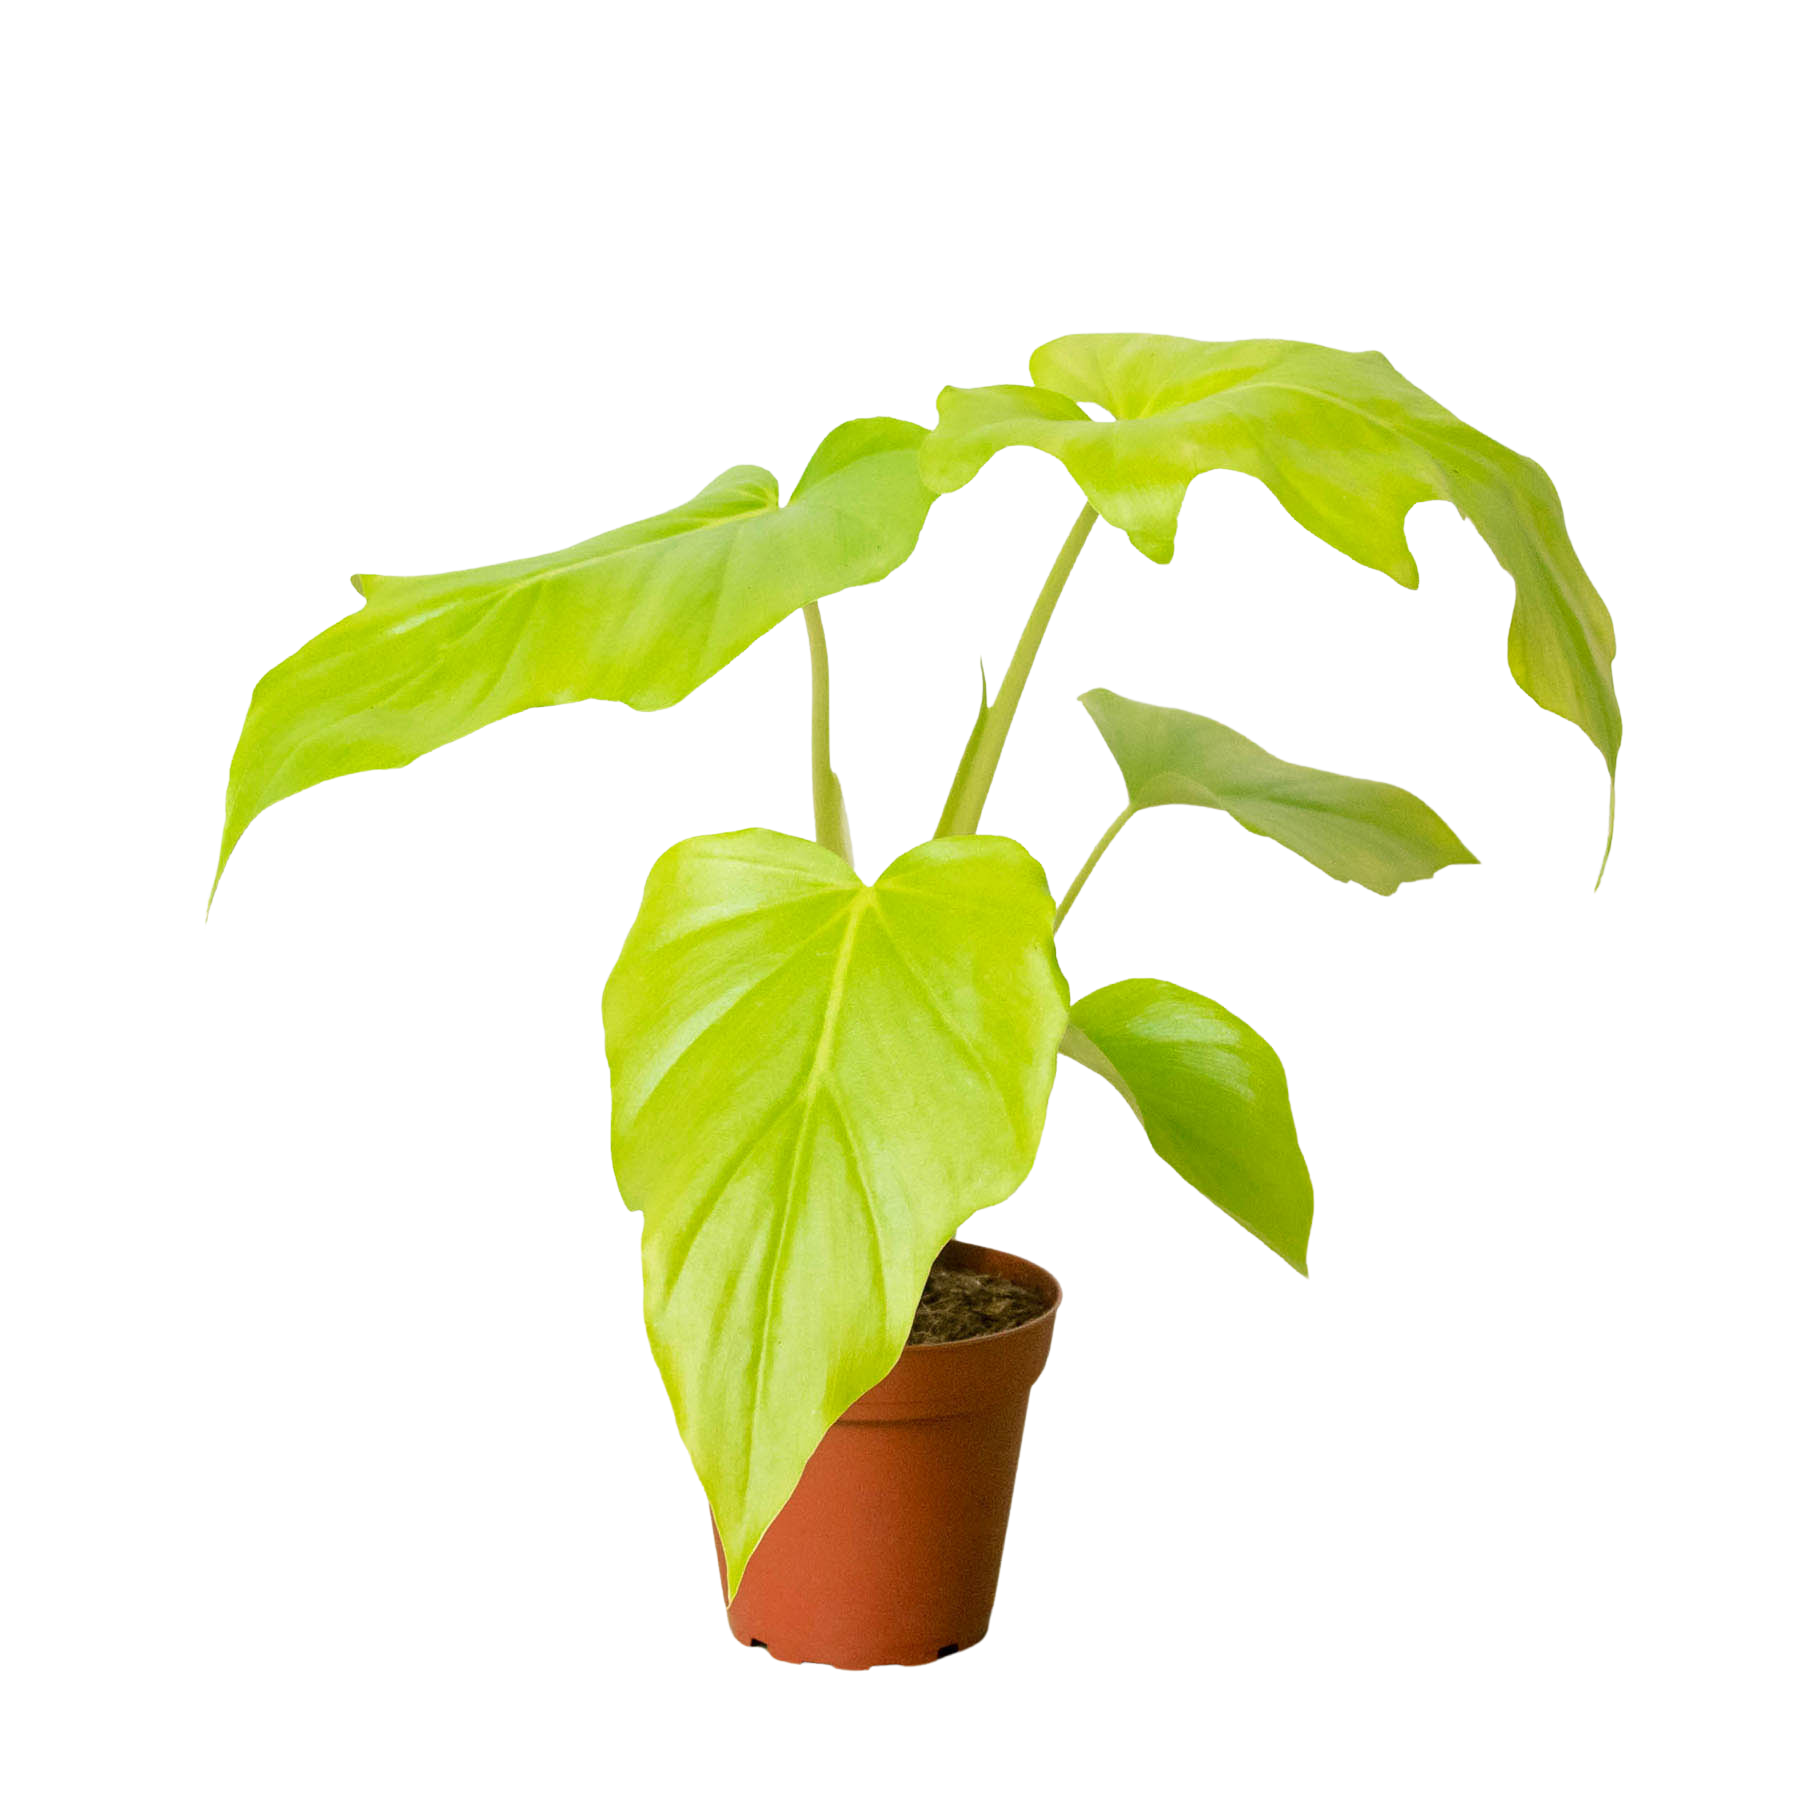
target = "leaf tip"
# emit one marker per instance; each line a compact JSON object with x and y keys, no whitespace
{"x":1297,"y":1259}
{"x":1158,"y":546}
{"x":212,"y":893}
{"x":733,"y":1560}
{"x":1612,"y":807}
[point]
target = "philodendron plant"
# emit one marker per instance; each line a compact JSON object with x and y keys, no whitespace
{"x":817,"y":1079}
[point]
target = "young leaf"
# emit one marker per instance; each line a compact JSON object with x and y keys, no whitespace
{"x":1212,"y":1098}
{"x":642,"y":614}
{"x":976,"y":731}
{"x":1344,"y":443}
{"x":814,"y":1083}
{"x":1361,"y":831}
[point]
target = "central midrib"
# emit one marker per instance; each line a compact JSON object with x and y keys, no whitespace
{"x":802,"y":1145}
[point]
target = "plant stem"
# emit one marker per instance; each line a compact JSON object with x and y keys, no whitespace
{"x":962,"y":814}
{"x":830,"y":825}
{"x":1087,"y":868}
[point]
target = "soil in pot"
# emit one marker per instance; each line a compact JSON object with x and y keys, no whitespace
{"x":969,"y":1303}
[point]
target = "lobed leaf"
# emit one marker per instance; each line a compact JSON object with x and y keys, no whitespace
{"x":1344,"y":442}
{"x":815,"y":1081}
{"x":642,"y":614}
{"x":1212,"y":1098}
{"x":1361,"y":831}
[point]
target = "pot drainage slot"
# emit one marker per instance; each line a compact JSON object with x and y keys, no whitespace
{"x":948,"y":1650}
{"x":758,"y":1644}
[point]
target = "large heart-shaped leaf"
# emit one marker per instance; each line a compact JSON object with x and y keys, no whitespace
{"x":1345,"y":444}
{"x":1212,"y":1097}
{"x":642,"y":614}
{"x":1361,"y":831}
{"x":815,"y":1081}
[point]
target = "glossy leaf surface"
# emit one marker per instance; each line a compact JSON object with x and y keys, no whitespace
{"x":1362,"y":831}
{"x":1212,"y":1097}
{"x":642,"y":614}
{"x":1343,"y":441}
{"x":815,"y":1081}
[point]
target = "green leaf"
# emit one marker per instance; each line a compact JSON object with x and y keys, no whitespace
{"x":976,"y":732}
{"x":814,"y":1083}
{"x":642,"y":614}
{"x":1361,"y":831}
{"x":1212,"y":1098}
{"x":1344,"y":443}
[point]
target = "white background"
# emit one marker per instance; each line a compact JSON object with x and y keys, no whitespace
{"x":335,"y":1460}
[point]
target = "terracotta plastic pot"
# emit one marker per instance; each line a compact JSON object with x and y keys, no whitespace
{"x":889,"y":1550}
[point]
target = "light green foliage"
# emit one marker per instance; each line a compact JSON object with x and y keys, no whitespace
{"x":1361,"y":831}
{"x":971,"y":749}
{"x":642,"y":614}
{"x":1212,"y":1097}
{"x":814,"y":1083}
{"x":1344,"y":443}
{"x":816,"y":1080}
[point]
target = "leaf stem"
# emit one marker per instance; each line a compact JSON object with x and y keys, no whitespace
{"x":1087,"y":868}
{"x":831,"y":827}
{"x":968,"y":794}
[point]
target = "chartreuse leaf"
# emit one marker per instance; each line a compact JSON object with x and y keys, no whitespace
{"x":642,"y":614}
{"x":1344,"y":443}
{"x":814,"y":1083}
{"x":1212,"y":1098}
{"x":976,"y":732}
{"x":1361,"y":831}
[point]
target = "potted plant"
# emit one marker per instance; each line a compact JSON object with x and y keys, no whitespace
{"x":816,"y":1079}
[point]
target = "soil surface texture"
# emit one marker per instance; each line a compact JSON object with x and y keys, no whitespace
{"x":961,"y":1303}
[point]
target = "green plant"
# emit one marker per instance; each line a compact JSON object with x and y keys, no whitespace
{"x":816,"y":1080}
